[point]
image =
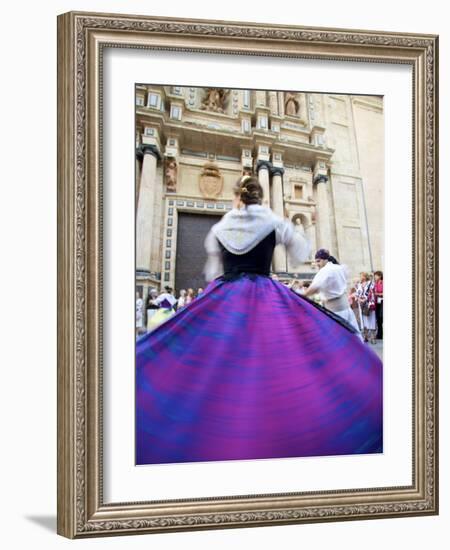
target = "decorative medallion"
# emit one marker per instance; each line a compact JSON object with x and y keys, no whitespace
{"x":211,"y":181}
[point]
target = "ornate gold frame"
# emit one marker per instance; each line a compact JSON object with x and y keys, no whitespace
{"x":81,"y":37}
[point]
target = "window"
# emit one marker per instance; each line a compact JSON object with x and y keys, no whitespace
{"x":175,"y":112}
{"x":153,"y":100}
{"x":298,"y":192}
{"x":263,"y":122}
{"x":246,"y":99}
{"x":246,"y":126}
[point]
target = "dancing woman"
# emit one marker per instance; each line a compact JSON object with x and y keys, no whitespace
{"x":331,"y":283}
{"x":250,"y":369}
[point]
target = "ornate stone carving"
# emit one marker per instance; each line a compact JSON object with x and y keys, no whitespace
{"x":211,"y":181}
{"x":170,"y":173}
{"x":215,"y":100}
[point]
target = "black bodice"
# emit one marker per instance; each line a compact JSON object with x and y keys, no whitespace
{"x":256,"y":261}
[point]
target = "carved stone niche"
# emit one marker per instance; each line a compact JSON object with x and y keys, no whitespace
{"x":295,"y":105}
{"x":211,"y":181}
{"x":170,"y":174}
{"x":291,"y":104}
{"x":214,"y":100}
{"x":300,"y":222}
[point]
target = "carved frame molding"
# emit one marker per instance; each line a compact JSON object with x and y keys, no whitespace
{"x":81,"y":39}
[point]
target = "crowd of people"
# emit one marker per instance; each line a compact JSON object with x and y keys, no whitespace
{"x":365,"y":300}
{"x":160,"y":306}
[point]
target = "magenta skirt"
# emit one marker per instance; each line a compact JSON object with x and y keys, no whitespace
{"x":251,"y":370}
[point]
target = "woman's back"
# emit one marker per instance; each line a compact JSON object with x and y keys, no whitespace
{"x":251,"y":233}
{"x":257,"y":260}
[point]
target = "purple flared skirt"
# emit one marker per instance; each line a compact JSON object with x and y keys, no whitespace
{"x":251,"y":370}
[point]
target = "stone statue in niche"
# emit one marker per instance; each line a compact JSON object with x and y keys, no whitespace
{"x":215,"y":100}
{"x":291,"y":104}
{"x":298,"y":225}
{"x":171,"y":170}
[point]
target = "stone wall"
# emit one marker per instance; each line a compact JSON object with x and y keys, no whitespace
{"x":324,"y":151}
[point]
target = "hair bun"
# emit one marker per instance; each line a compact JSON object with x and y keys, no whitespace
{"x":249,"y":189}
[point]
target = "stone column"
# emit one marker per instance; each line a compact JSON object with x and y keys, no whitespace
{"x":279,"y":257}
{"x":139,"y":158}
{"x":263,"y":167}
{"x":303,"y":109}
{"x":323,"y":228}
{"x":281,"y":103}
{"x":146,"y":207}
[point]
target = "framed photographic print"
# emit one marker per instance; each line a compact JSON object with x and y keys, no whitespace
{"x":247,"y":283}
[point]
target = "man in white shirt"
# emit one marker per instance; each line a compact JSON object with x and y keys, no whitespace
{"x":331,"y":283}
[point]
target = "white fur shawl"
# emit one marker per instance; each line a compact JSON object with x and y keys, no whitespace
{"x":242,"y":229}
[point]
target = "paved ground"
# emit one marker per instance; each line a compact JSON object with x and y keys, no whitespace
{"x":378,"y":347}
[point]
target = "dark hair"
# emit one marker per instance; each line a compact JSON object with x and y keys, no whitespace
{"x":249,"y":189}
{"x":323,"y":254}
{"x":379,"y":273}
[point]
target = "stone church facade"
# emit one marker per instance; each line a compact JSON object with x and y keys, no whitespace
{"x":319,"y":158}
